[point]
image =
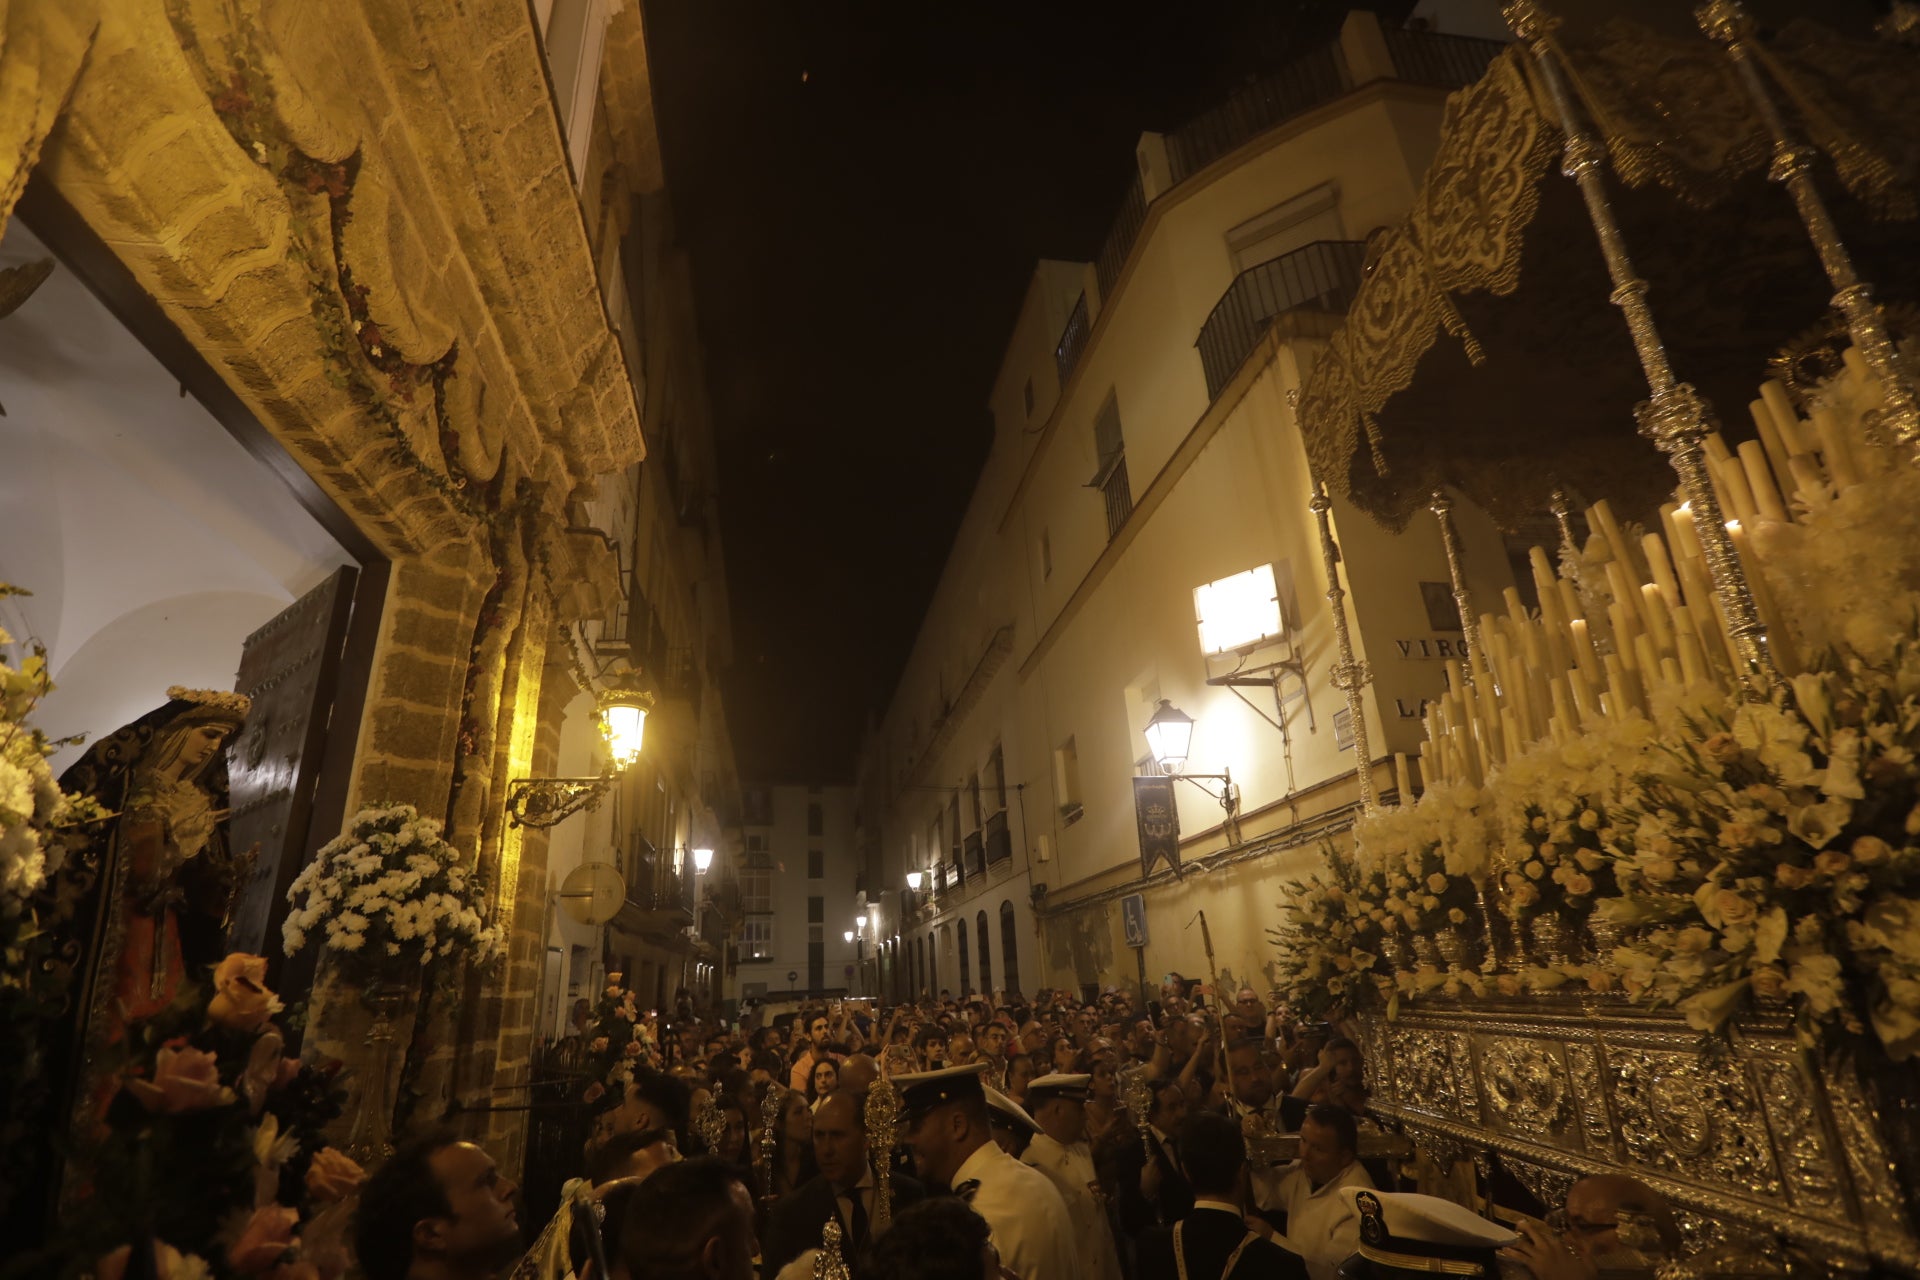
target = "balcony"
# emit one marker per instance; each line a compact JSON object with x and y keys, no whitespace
{"x":1300,"y":86}
{"x":975,"y":857}
{"x":1419,"y":57}
{"x":1073,"y":340}
{"x":1322,"y":276}
{"x":999,"y":839}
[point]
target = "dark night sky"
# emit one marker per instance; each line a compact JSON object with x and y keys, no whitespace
{"x":864,"y":189}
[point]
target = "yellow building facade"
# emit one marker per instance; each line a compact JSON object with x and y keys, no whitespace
{"x":402,"y":245}
{"x":1145,"y":446}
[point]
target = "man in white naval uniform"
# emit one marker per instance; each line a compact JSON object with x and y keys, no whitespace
{"x":1059,"y":1106}
{"x":944,"y":1117}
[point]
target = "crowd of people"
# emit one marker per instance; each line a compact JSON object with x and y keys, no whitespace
{"x":1019,"y":1149}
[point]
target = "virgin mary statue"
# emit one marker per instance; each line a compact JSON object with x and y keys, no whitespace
{"x":132,"y":915}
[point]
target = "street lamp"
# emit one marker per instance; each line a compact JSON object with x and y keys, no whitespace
{"x":848,"y":935}
{"x":913,"y":881}
{"x":620,"y":710}
{"x":1169,"y":736}
{"x":702,"y":859}
{"x":859,"y":922}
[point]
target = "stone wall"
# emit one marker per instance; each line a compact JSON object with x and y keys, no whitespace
{"x":361,"y":215}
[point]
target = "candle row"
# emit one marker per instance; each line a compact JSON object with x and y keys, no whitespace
{"x":1636,"y":613}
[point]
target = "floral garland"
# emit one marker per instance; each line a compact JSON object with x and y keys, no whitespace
{"x":1329,"y":941}
{"x":390,"y":893}
{"x":1777,"y":858}
{"x":619,"y":1041}
{"x":1724,"y":856}
{"x":210,"y":1153}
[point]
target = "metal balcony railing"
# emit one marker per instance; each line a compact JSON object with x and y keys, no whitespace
{"x":1305,"y":83}
{"x":1120,"y":237}
{"x":976,"y":855}
{"x":999,"y":840}
{"x":1419,"y":57}
{"x":1428,"y":57}
{"x":1073,"y":340}
{"x":1322,"y":276}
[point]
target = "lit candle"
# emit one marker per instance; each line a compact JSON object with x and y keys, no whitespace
{"x":1662,"y":569}
{"x":1583,"y":655}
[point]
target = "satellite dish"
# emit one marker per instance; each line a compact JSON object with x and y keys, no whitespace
{"x":593,"y":891}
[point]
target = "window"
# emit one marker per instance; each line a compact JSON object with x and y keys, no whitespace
{"x":816,"y":910}
{"x":966,"y":978}
{"x":816,"y":822}
{"x":756,"y":939}
{"x":973,"y":799}
{"x":1066,"y":781}
{"x":953,"y":833}
{"x":816,"y":957}
{"x":756,"y":891}
{"x":756,"y":843}
{"x":1009,"y":949}
{"x":816,"y":864}
{"x":986,"y":953}
{"x":997,"y":767}
{"x":1110,"y":476}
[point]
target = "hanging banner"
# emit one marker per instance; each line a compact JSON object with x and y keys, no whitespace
{"x":1159,"y":821}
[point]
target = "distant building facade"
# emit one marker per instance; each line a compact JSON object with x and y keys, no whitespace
{"x":1144,"y":447}
{"x":799,"y":883}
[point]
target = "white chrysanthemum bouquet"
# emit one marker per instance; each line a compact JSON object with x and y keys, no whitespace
{"x":34,"y":811}
{"x":389,"y":892}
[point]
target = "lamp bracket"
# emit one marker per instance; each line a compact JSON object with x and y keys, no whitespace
{"x":1228,"y":798}
{"x":546,"y":802}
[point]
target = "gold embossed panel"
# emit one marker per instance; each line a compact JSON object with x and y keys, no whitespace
{"x":1698,"y":1118}
{"x":1525,"y":1089}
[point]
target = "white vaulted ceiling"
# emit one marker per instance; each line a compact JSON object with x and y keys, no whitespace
{"x":152,"y":541}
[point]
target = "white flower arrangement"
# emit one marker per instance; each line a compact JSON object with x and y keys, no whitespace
{"x":34,"y":811}
{"x":389,"y":891}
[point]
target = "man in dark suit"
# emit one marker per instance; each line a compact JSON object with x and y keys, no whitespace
{"x":845,"y":1188}
{"x":1213,"y":1242}
{"x":1147,"y":1192}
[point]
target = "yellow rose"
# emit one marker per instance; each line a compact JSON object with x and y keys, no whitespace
{"x":241,"y":1000}
{"x":1871,"y":851}
{"x":1769,"y":982}
{"x":184,"y":1079}
{"x":333,"y":1175}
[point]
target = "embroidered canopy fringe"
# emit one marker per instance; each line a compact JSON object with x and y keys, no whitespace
{"x":1447,"y":371}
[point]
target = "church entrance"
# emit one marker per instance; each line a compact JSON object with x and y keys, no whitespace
{"x":168,"y":540}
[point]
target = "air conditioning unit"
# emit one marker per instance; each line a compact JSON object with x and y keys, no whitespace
{"x":1043,"y":849}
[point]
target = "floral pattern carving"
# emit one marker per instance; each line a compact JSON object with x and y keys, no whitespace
{"x":1525,"y":1087}
{"x":1813,"y":1177}
{"x":1695,"y":1118}
{"x":1425,"y":1071}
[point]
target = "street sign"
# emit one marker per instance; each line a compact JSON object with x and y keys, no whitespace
{"x":1133,"y":919}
